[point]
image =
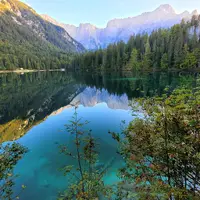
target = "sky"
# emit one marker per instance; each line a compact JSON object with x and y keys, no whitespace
{"x":99,"y":12}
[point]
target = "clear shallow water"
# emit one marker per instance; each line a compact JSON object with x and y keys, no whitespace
{"x":39,"y":168}
{"x":35,"y":107}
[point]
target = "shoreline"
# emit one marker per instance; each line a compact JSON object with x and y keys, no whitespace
{"x":30,"y":70}
{"x":97,"y":71}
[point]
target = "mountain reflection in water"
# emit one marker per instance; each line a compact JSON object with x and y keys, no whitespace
{"x":28,"y":99}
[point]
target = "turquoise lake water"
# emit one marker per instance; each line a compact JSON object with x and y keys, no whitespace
{"x":44,"y":103}
{"x":39,"y":168}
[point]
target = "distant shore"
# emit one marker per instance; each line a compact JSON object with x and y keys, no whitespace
{"x":28,"y":70}
{"x":97,"y":71}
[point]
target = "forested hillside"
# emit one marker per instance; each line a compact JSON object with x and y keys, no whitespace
{"x":28,"y":41}
{"x":178,"y":47}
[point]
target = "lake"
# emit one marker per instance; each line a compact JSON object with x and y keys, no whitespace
{"x":35,"y":107}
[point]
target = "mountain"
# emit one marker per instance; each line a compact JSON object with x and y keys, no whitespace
{"x":85,"y":33}
{"x":92,"y":96}
{"x":29,"y":41}
{"x":121,"y":29}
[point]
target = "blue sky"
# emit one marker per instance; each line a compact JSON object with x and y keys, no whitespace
{"x":99,"y":12}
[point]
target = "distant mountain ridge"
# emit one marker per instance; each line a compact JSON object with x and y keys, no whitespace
{"x":121,"y":29}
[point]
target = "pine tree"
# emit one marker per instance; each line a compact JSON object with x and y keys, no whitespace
{"x":133,"y":62}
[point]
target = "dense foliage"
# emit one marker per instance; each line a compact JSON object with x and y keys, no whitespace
{"x":10,"y":154}
{"x":162,"y":150}
{"x":177,"y":47}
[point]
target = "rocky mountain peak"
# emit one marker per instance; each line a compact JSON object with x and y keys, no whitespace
{"x":195,"y":12}
{"x":87,"y":26}
{"x":166,"y":8}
